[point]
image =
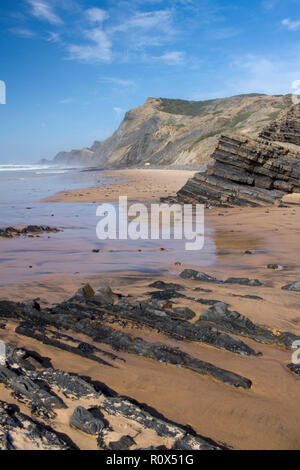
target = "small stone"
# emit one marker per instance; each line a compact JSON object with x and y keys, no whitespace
{"x":275,"y":267}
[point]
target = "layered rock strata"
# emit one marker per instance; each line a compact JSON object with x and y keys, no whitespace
{"x":246,"y":172}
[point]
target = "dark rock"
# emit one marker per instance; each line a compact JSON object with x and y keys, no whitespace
{"x":70,"y":384}
{"x":123,"y":444}
{"x":165,"y":295}
{"x":247,"y":172}
{"x":197,"y":276}
{"x":286,"y":128}
{"x":105,"y":294}
{"x":295,"y":368}
{"x":275,"y":267}
{"x":84,"y":420}
{"x":185,"y":313}
{"x":121,"y":341}
{"x":243,"y":281}
{"x":236,"y":323}
{"x":294,"y":287}
{"x":15,"y":424}
{"x":85,"y":291}
{"x":10,"y":232}
{"x":161,"y":285}
{"x":31,"y":391}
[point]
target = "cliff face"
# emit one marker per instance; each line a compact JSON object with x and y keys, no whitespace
{"x":175,"y":132}
{"x":251,"y":171}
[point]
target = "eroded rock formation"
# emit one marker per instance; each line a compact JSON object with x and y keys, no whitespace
{"x":246,"y":172}
{"x":286,"y":128}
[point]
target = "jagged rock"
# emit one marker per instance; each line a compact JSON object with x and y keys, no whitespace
{"x":93,"y":325}
{"x":16,"y":428}
{"x":286,"y":128}
{"x":30,"y":390}
{"x":294,"y":287}
{"x":84,"y":420}
{"x":243,"y":282}
{"x":295,"y":368}
{"x":105,"y":294}
{"x":238,"y":324}
{"x":10,"y":232}
{"x":70,"y":384}
{"x":189,"y":442}
{"x":161,"y":285}
{"x":164,"y":295}
{"x":199,"y":276}
{"x":247,"y":172}
{"x":123,"y":444}
{"x":85,"y":291}
{"x":185,"y":313}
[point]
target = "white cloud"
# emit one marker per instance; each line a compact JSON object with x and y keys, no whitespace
{"x":53,"y":37}
{"x":99,"y":49}
{"x":119,"y":81}
{"x":265,"y":74}
{"x":269,"y":4}
{"x":145,"y":29}
{"x":255,"y":74}
{"x":97,"y":15}
{"x":173,"y":58}
{"x":44,"y":11}
{"x":119,"y":112}
{"x":291,"y":25}
{"x":23,"y":32}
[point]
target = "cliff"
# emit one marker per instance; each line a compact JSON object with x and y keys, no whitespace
{"x":166,"y":132}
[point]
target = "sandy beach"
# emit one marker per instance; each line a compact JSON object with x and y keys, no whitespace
{"x":137,"y":185}
{"x":245,"y":242}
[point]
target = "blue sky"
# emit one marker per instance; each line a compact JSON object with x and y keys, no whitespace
{"x":73,"y":67}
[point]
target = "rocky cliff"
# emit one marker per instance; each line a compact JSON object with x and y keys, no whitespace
{"x":251,"y":171}
{"x":166,"y":132}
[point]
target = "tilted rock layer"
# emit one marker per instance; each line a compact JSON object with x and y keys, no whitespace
{"x":247,"y":172}
{"x":286,"y":128}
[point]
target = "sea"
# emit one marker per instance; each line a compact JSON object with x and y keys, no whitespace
{"x":23,"y":189}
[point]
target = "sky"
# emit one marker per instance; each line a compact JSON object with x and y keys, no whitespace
{"x":72,"y":68}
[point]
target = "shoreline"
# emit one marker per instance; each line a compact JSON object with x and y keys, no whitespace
{"x":139,"y":185}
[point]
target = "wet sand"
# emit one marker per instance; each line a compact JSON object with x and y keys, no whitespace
{"x":267,"y":416}
{"x":137,"y":185}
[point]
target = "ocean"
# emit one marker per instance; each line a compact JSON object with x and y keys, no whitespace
{"x":70,"y":252}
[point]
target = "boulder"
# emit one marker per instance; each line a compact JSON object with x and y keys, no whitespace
{"x":105,"y":294}
{"x":84,"y":420}
{"x":294,"y":287}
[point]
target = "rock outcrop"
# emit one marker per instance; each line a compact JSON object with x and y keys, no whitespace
{"x":246,"y":172}
{"x":166,"y":132}
{"x":286,"y":128}
{"x":29,"y":231}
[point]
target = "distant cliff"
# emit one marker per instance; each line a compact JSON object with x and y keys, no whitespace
{"x":166,"y":132}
